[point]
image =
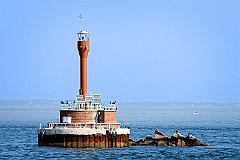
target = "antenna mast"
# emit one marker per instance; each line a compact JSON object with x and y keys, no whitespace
{"x":81,"y":24}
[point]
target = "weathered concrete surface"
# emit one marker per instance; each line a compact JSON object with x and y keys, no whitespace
{"x":161,"y":140}
{"x":80,"y":141}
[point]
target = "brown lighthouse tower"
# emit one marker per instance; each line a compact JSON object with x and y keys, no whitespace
{"x":83,"y":46}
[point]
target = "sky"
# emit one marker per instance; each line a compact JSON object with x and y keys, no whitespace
{"x":141,"y":50}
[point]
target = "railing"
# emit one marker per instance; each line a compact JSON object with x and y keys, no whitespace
{"x":83,"y":125}
{"x":87,"y":106}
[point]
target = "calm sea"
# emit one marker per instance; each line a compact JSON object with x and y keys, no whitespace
{"x":215,"y":123}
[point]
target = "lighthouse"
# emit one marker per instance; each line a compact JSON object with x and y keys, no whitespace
{"x":85,"y":122}
{"x":83,"y":46}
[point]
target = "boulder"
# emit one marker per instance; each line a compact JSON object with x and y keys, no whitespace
{"x":159,"y":135}
{"x":162,"y":140}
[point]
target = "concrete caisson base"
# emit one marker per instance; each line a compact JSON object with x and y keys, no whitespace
{"x":80,"y":141}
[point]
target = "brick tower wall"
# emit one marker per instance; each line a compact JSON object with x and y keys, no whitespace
{"x":83,"y":116}
{"x":107,"y":116}
{"x":110,"y":116}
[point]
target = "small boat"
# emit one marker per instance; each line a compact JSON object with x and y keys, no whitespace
{"x":195,"y":113}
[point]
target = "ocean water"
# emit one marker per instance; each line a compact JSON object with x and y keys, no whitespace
{"x":215,"y":123}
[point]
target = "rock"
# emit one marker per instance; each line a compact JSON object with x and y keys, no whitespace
{"x":205,"y":144}
{"x":181,"y":142}
{"x":177,"y":135}
{"x":161,"y":143}
{"x":161,"y":140}
{"x":159,"y":135}
{"x":132,"y":142}
{"x":148,"y":140}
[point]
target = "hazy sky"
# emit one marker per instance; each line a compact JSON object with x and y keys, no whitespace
{"x":140,"y":50}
